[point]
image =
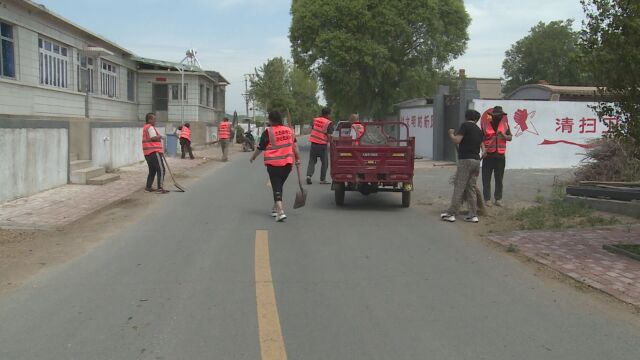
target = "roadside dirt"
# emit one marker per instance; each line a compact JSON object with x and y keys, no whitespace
{"x":23,"y":253}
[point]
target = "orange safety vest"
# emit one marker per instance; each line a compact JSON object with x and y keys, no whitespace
{"x":149,"y":146}
{"x":492,"y":142}
{"x":359,"y":129}
{"x":185,"y":133}
{"x":319,"y":131}
{"x":224,"y":131}
{"x":279,"y":151}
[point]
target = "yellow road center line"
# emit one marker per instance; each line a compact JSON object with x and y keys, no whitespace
{"x":270,"y":332}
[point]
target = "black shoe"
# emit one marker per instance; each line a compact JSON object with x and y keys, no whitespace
{"x":309,"y":182}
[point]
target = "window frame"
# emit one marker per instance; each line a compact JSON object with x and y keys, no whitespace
{"x":175,"y":97}
{"x":53,"y":63}
{"x":12,"y":41}
{"x":109,"y":77}
{"x":131,"y":85}
{"x":85,"y":64}
{"x":209,"y":96}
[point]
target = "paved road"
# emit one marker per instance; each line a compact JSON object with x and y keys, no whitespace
{"x":370,"y":281}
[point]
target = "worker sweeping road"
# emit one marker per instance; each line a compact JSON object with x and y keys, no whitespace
{"x":280,"y":153}
{"x":185,"y":140}
{"x":153,"y":151}
{"x":319,"y":138}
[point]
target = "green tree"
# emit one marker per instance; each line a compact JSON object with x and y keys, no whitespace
{"x":550,"y":52}
{"x":370,"y":54}
{"x":270,"y":85}
{"x":304,"y":93}
{"x":279,"y":85}
{"x":611,"y":40}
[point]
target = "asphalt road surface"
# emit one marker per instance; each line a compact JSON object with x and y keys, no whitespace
{"x":209,"y":275}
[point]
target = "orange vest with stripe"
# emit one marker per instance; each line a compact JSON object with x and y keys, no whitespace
{"x":279,"y":152}
{"x":492,"y":142}
{"x":319,"y":131}
{"x":149,"y":146}
{"x":185,"y":133}
{"x":224,"y":131}
{"x":359,"y":129}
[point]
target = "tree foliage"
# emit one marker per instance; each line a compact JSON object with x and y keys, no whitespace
{"x":550,"y":52}
{"x":279,"y":85}
{"x":611,"y":42}
{"x":370,"y":54}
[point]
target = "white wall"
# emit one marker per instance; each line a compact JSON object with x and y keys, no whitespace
{"x":543,"y":144}
{"x":123,"y":147}
{"x":420,"y":122}
{"x":32,"y":160}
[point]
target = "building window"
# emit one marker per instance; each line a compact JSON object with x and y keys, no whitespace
{"x":131,"y":85}
{"x":208,"y":96}
{"x":109,"y":79}
{"x":175,"y":92}
{"x":54,"y":63}
{"x":7,"y":60}
{"x":86,"y":72}
{"x":202,"y":94}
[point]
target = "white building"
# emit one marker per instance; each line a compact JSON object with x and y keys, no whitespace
{"x":62,"y":83}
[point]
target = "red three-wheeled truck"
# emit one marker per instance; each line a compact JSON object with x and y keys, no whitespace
{"x":378,"y":159}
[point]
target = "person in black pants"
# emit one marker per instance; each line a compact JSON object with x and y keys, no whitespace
{"x":321,"y":130}
{"x":278,"y":143}
{"x":153,"y":152}
{"x":496,"y":134}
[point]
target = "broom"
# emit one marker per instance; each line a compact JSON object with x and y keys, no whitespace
{"x":175,"y":183}
{"x":301,"y":195}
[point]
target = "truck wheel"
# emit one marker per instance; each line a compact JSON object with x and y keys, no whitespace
{"x":339,"y":193}
{"x":406,"y":199}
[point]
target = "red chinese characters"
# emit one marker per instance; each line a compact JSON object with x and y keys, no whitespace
{"x":587,"y":126}
{"x":565,"y":125}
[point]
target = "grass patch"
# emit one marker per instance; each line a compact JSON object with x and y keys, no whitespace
{"x":634,"y":249}
{"x":557,"y":214}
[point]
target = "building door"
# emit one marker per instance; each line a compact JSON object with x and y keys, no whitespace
{"x":160,"y":96}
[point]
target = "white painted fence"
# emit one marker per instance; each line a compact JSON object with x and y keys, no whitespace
{"x":32,"y":160}
{"x":547,"y":134}
{"x":420,"y":121}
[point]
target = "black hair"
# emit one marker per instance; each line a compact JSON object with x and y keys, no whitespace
{"x":225,"y":119}
{"x":148,"y":117}
{"x":472,"y":115}
{"x":326,"y":111}
{"x":275,"y":118}
{"x":187,"y":125}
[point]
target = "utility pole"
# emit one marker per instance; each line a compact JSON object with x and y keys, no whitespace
{"x":247,"y":97}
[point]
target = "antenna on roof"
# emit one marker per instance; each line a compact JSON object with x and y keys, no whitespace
{"x":191,"y":59}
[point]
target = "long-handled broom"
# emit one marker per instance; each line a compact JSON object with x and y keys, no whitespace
{"x":175,"y":183}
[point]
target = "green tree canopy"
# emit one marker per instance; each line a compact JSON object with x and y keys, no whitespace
{"x":370,"y":54}
{"x":611,"y":42}
{"x":279,"y":85}
{"x":550,"y":52}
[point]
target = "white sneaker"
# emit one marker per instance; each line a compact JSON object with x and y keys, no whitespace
{"x":281,"y":217}
{"x":498,"y":203}
{"x":448,"y":218}
{"x":472,"y":219}
{"x":274,"y":212}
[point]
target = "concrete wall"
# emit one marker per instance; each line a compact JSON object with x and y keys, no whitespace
{"x":32,"y":160}
{"x":547,"y":134}
{"x":420,"y":121}
{"x":114,"y":147}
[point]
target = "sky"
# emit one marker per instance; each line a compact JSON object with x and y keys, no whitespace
{"x":236,"y":36}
